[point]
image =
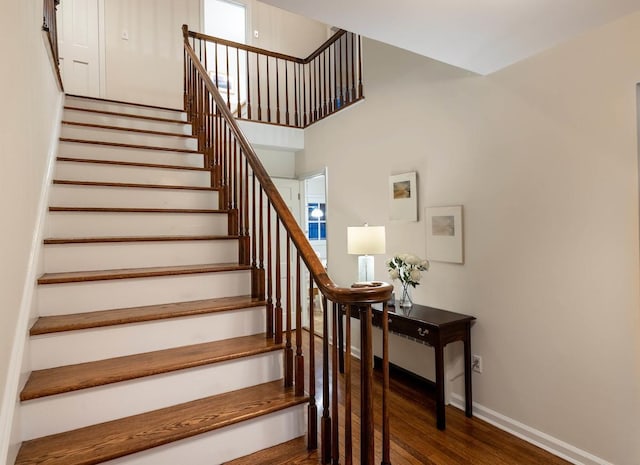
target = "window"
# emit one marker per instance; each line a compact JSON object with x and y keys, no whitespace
{"x":317,"y":221}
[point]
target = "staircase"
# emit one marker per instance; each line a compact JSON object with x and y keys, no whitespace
{"x":149,"y":348}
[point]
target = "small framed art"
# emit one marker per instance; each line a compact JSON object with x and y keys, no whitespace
{"x":445,"y":234}
{"x":403,"y":197}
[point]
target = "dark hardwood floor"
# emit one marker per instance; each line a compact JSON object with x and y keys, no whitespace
{"x":415,"y":440}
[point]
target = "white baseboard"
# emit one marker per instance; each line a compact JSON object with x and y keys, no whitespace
{"x":537,"y":438}
{"x":9,"y":400}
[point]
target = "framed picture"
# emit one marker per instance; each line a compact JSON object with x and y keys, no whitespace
{"x":403,"y":197}
{"x":445,"y":234}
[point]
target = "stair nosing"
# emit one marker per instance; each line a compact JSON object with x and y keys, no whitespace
{"x":111,"y":239}
{"x":71,"y":182}
{"x":122,"y":102}
{"x":143,"y":365}
{"x":136,"y":210}
{"x":140,"y":314}
{"x":126,"y":129}
{"x":137,"y":273}
{"x":127,"y":115}
{"x":129,"y":163}
{"x":197,"y":417}
{"x":130,"y":146}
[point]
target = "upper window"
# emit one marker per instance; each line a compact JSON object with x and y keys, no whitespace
{"x":317,"y":221}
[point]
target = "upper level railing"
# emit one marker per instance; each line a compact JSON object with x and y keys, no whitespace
{"x":50,"y":29}
{"x":285,"y":270}
{"x":260,"y":85}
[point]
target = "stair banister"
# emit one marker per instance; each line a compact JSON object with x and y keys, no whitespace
{"x":227,"y":151}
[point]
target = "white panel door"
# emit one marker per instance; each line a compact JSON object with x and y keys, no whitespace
{"x":78,"y":42}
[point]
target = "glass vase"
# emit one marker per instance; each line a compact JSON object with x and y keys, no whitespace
{"x":405,"y":297}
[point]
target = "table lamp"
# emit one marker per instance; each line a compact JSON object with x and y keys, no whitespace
{"x":365,"y":241}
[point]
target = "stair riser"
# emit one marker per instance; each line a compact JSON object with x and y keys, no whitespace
{"x":73,"y":171}
{"x":59,"y":299}
{"x":131,"y":197}
{"x":227,"y":443}
{"x":58,"y":349}
{"x":127,"y":137}
{"x":79,"y":116}
{"x":115,"y":255}
{"x":124,"y":108}
{"x":102,"y":152}
{"x":55,"y":414}
{"x":82,"y":224}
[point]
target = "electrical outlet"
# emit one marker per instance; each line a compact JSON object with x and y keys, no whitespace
{"x":476,"y":363}
{"x":256,"y":34}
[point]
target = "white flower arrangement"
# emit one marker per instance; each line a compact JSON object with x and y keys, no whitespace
{"x":407,"y":268}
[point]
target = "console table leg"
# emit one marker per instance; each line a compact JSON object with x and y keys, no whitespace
{"x":467,"y":372}
{"x":440,"y":416}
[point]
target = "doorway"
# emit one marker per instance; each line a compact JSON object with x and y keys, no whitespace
{"x":315,"y":226}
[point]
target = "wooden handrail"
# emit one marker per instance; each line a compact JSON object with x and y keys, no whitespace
{"x":50,"y":30}
{"x":268,"y":234}
{"x":305,"y":90}
{"x":341,"y":295}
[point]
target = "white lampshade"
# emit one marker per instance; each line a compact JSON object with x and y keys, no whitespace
{"x":365,"y":240}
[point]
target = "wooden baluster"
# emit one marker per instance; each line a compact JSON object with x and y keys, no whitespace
{"x":233,"y":177}
{"x":325,"y":421}
{"x":386,"y":441}
{"x":334,"y":83}
{"x":335,"y":438}
{"x":254,"y":240}
{"x":268,"y":92}
{"x":304,"y":95}
{"x":325,"y":79}
{"x":316,"y":89}
{"x":296,"y":72}
{"x":238,"y":82}
{"x":340,"y":42}
{"x":366,"y":386}
{"x":312,"y":411}
{"x":248,"y":89}
{"x":286,"y":93}
{"x":246,"y":238}
{"x":216,"y":66}
{"x":226,"y":56}
{"x":258,"y":81}
{"x":278,"y":279}
{"x":299,"y":382}
{"x":270,"y":328}
{"x":348,"y":441}
{"x":360,"y":88}
{"x":288,"y":351}
{"x":353,"y":64}
{"x":261,"y":276}
{"x":277,"y":92}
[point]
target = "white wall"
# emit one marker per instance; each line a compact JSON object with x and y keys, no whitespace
{"x":30,"y":104}
{"x":543,"y":156}
{"x":147,"y":68}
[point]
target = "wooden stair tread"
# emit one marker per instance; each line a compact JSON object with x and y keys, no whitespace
{"x":127,"y":115}
{"x":117,"y":438}
{"x":292,"y":452}
{"x":127,"y":273}
{"x":131,"y":146}
{"x":97,"y":240}
{"x":125,"y":129}
{"x":69,"y":378}
{"x":122,"y":102}
{"x":135,"y":210}
{"x":130,"y":163}
{"x":119,"y":316}
{"x":70,"y":182}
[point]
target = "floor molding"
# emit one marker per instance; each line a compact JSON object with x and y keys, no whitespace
{"x":538,"y":438}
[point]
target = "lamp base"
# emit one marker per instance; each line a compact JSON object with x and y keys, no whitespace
{"x":365,"y":268}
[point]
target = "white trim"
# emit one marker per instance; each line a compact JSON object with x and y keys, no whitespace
{"x":10,"y":395}
{"x":537,"y":438}
{"x":102,"y":49}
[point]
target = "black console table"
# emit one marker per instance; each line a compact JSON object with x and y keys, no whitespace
{"x":436,"y":328}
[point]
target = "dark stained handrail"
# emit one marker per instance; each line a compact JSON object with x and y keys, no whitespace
{"x":234,"y":166}
{"x":50,"y":29}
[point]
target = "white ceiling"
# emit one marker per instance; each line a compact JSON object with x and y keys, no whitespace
{"x":479,"y":35}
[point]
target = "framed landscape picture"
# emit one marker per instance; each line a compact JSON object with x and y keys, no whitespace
{"x":403,"y":197}
{"x":445,"y":234}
